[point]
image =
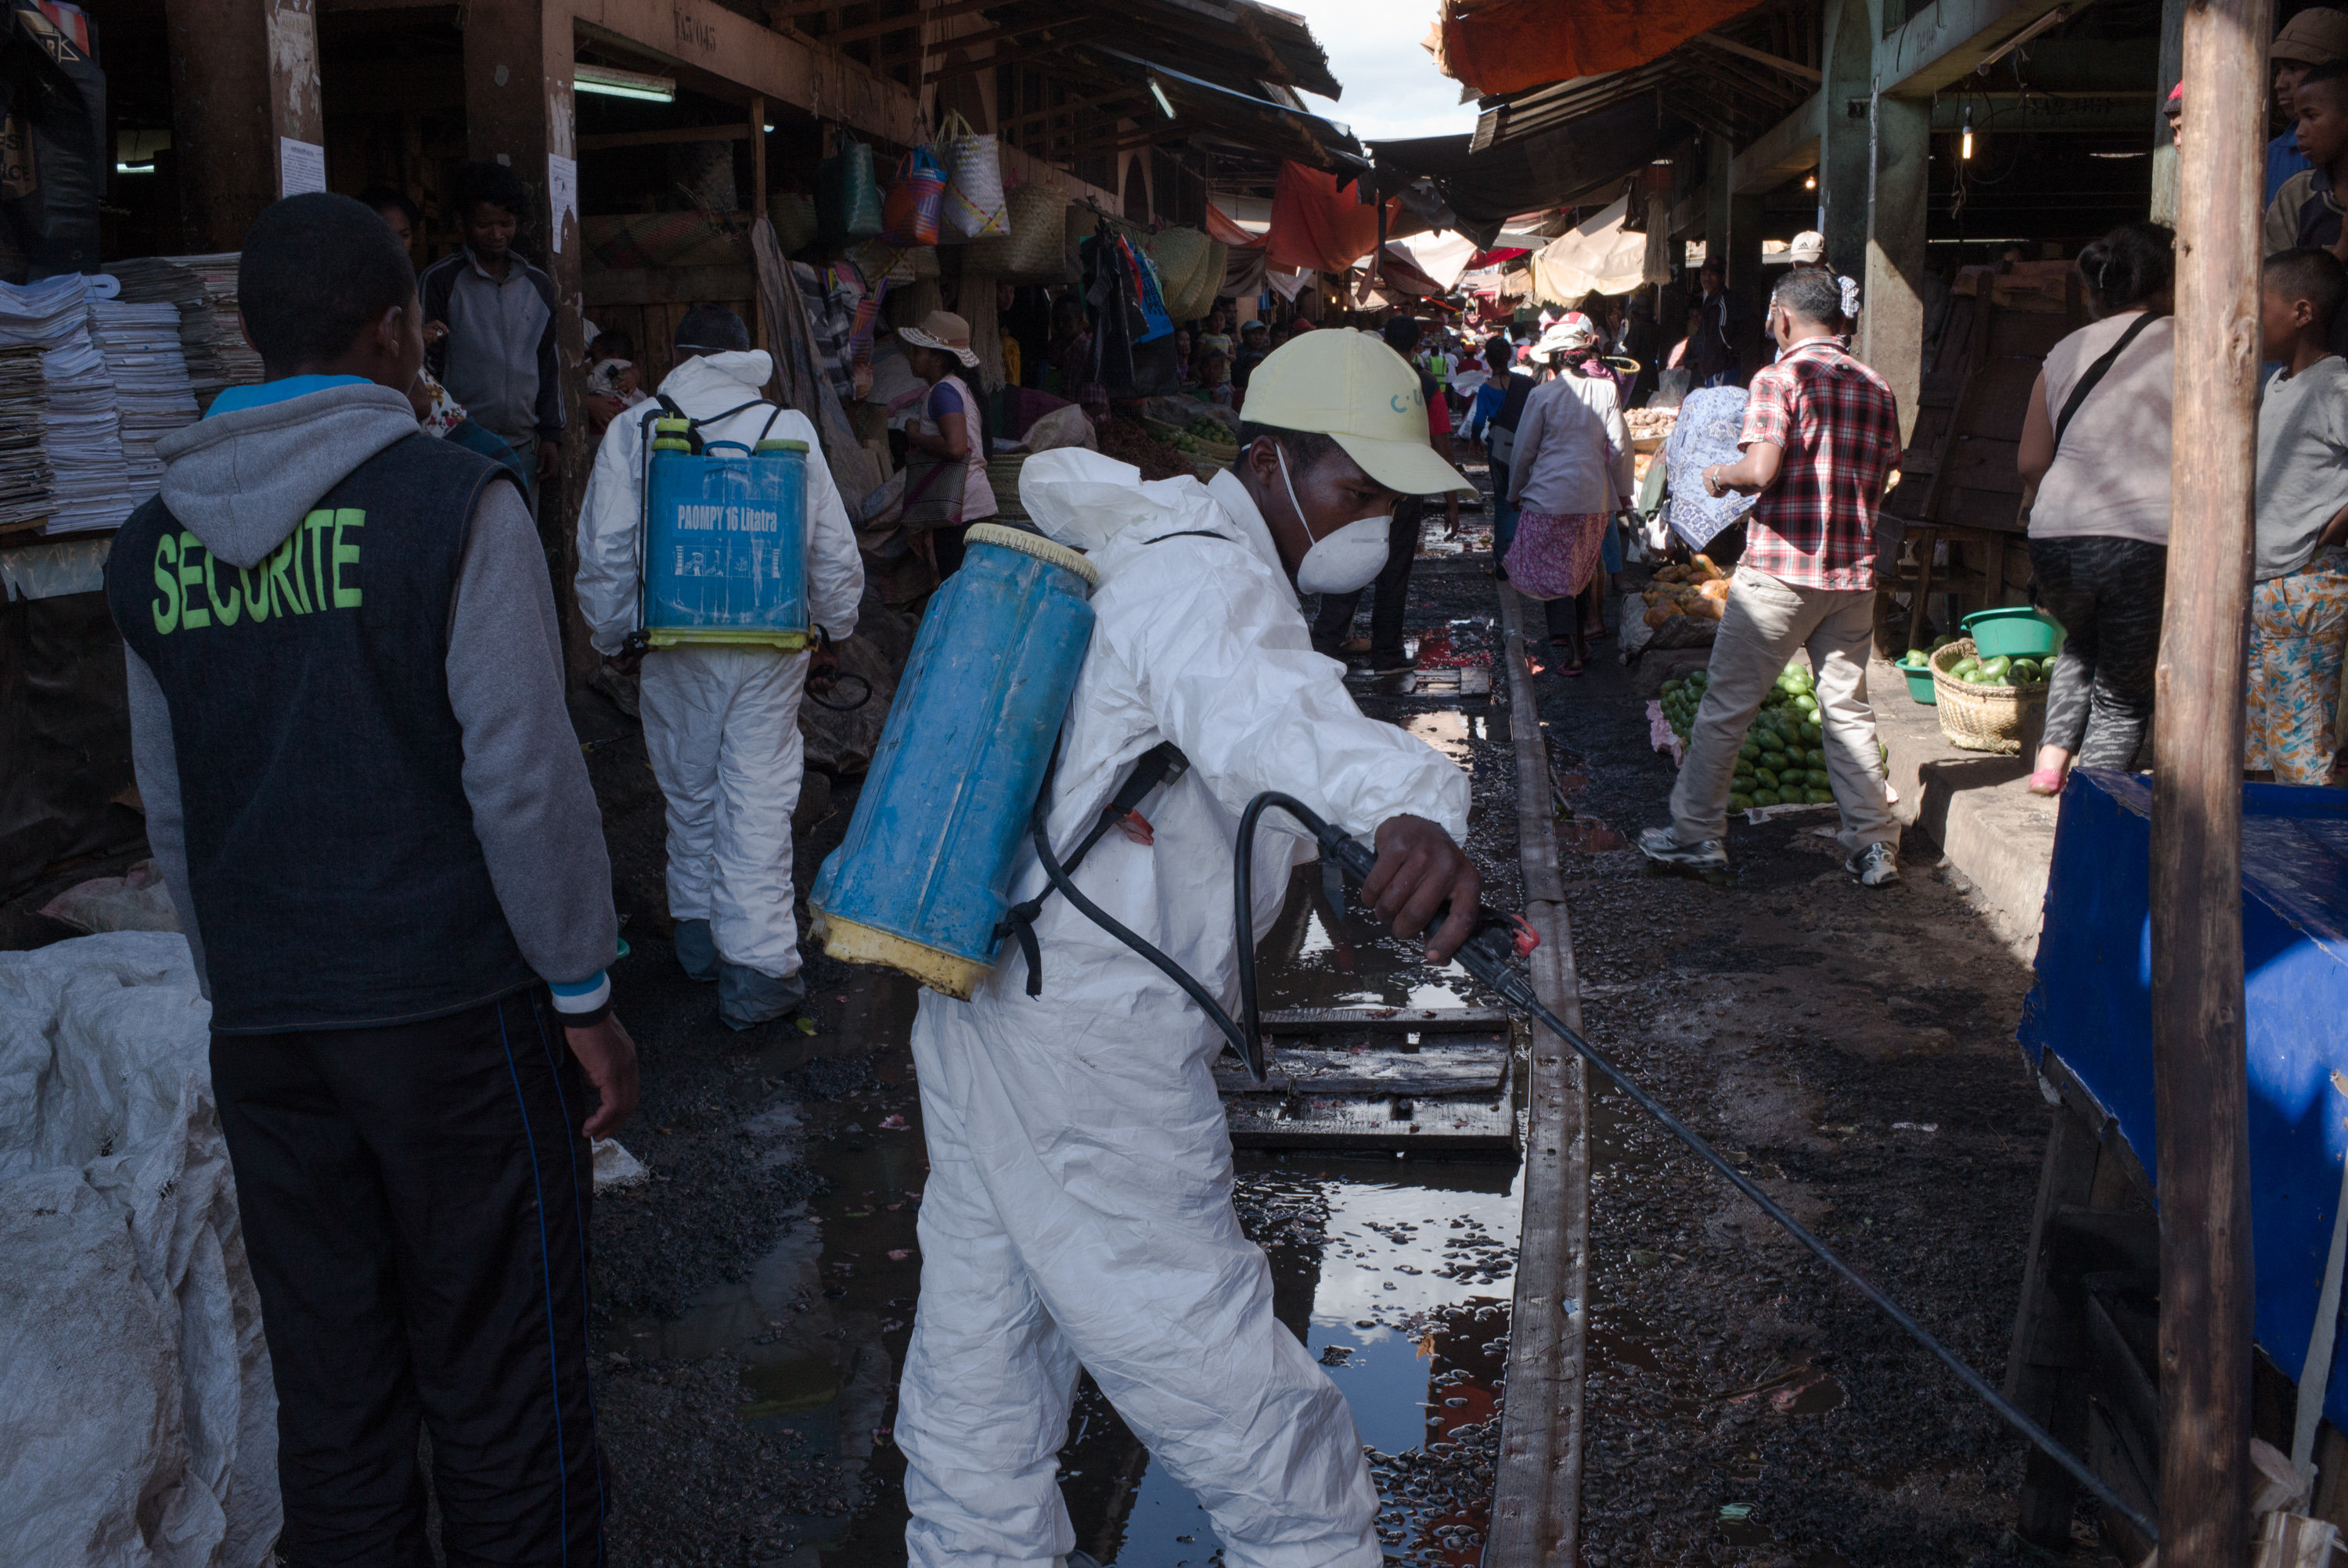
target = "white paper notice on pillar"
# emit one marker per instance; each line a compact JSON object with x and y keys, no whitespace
{"x":301,"y":166}
{"x":562,"y":195}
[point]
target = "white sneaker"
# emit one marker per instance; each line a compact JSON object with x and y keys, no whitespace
{"x":1876,"y":866}
{"x":1658,"y":844}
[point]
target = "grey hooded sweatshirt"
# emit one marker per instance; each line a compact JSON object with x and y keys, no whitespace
{"x":241,"y":482}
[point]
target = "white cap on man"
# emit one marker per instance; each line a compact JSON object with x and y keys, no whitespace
{"x":1808,"y":248}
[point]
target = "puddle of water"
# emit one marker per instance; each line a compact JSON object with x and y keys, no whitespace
{"x":1417,"y":1342}
{"x":1314,"y":956}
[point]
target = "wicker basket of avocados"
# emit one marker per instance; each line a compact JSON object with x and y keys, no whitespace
{"x":1982,"y":702}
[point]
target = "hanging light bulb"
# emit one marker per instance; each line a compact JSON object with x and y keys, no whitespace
{"x":1810,"y":182}
{"x":1965,"y":147}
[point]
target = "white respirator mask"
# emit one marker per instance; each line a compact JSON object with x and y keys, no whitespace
{"x":1342,"y":562}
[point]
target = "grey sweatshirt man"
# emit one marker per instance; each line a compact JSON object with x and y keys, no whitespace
{"x":242,"y":482}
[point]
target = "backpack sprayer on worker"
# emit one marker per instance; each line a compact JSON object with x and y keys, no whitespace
{"x":962,"y":773}
{"x":721,"y":552}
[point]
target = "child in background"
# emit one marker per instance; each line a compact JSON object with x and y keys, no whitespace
{"x":611,"y":388}
{"x":1215,"y":379}
{"x":2299,"y":593}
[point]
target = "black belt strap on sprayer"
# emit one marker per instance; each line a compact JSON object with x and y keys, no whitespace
{"x":1161,"y":763}
{"x":1489,"y":955}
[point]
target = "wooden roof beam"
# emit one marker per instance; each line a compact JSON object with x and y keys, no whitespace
{"x":1078,"y":35}
{"x":1074,"y":106}
{"x":1810,"y":74}
{"x":904,"y":23}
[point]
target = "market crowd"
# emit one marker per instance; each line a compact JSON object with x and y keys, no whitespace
{"x":351,"y":731}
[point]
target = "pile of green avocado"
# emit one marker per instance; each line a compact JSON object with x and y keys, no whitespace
{"x":2000,"y":670}
{"x":1780,"y":763}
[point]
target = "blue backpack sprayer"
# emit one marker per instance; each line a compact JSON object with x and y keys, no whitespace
{"x":921,"y":881}
{"x":723,"y":556}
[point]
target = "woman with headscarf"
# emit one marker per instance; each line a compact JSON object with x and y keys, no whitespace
{"x":1563,"y":482}
{"x":1582,"y":360}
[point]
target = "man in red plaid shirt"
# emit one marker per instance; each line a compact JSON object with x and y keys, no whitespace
{"x":1821,"y":431}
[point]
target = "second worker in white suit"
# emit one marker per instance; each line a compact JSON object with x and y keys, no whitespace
{"x":721,"y":722}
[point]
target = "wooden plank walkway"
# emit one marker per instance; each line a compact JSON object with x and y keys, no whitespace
{"x":1379,"y":1079}
{"x":1536,"y":1495}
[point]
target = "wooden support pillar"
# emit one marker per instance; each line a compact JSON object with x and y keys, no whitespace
{"x":1719,"y":193}
{"x":1892,"y":318}
{"x":2200,"y":1087}
{"x":244,"y":82}
{"x":1844,"y":145}
{"x":1733,"y":223}
{"x":518,"y":112}
{"x":761,"y":332}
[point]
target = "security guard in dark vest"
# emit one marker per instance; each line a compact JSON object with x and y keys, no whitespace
{"x":362,"y":789}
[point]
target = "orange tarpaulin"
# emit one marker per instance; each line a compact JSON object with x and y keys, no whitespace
{"x":1506,"y":45}
{"x":1315,"y":227}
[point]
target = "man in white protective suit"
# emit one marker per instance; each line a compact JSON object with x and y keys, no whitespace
{"x":1078,"y":1206}
{"x":721,"y":722}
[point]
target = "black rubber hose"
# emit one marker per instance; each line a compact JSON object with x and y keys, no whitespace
{"x":1109,"y":923}
{"x":1515,"y":989}
{"x":817,"y":698}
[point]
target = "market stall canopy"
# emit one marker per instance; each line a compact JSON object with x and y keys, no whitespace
{"x":1401,"y":273}
{"x":1440,"y":258}
{"x":1219,"y":225}
{"x":1505,"y":45}
{"x":1735,"y":80}
{"x":1318,"y":226}
{"x":1140,"y":73}
{"x":1601,"y":256}
{"x":1566,"y":164}
{"x":1247,"y":119}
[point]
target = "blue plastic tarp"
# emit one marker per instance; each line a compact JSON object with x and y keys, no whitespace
{"x":2093,"y":1008}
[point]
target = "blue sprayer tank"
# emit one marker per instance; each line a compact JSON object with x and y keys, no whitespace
{"x":725,"y":541}
{"x":924,"y":874}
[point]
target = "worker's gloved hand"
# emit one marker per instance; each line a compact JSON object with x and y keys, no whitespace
{"x":823,"y":669}
{"x":1418,"y":868}
{"x":609,"y":1058}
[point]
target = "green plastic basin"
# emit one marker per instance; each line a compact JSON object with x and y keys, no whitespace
{"x":1919,"y":683}
{"x":2015,"y":631}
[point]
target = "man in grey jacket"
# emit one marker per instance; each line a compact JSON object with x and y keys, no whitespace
{"x":368,"y":805}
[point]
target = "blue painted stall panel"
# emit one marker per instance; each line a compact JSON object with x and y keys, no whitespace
{"x":2093,"y":1008}
{"x":924,"y":875}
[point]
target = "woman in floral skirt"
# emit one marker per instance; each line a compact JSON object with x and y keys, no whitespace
{"x":1561,"y":484}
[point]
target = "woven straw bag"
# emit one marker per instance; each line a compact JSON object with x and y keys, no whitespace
{"x":793,"y":215}
{"x":1980,"y":718}
{"x":1181,"y":256}
{"x":1035,"y":249}
{"x":974,"y":203}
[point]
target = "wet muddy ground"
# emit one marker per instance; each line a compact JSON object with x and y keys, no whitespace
{"x":1852,"y":1047}
{"x":1851,"y":1050}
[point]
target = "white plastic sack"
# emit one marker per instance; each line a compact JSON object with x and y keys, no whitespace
{"x":1061,"y":427}
{"x":138,"y":1423}
{"x":974,"y":201}
{"x":134,"y":901}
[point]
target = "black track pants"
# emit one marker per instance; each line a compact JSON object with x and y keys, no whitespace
{"x":414,"y":1204}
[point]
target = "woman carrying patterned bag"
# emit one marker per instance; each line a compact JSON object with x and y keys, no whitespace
{"x":1562,"y":482}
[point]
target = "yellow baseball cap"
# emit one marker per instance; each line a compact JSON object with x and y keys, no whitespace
{"x":1352,"y":388}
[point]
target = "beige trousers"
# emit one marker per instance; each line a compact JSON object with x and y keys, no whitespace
{"x":1767,"y":621}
